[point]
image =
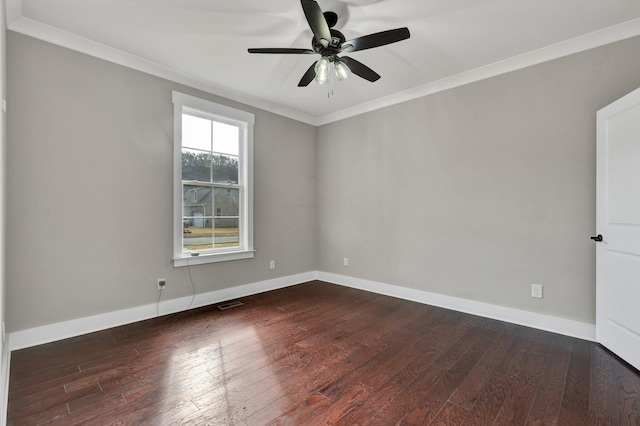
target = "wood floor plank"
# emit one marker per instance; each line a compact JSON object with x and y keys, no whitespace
{"x":432,"y":403}
{"x":523,"y":390}
{"x":574,"y":408}
{"x":86,"y":414}
{"x":41,"y":416}
{"x":627,"y":400}
{"x":469,"y":390}
{"x":296,"y":414}
{"x":451,"y":414}
{"x":362,"y":412}
{"x":407,"y":399}
{"x":480,"y":329}
{"x":614,"y":390}
{"x":338,"y":409}
{"x":402,"y":356}
{"x":486,"y":408}
{"x":603,"y":388}
{"x":56,"y":402}
{"x":319,"y":354}
{"x":546,"y":405}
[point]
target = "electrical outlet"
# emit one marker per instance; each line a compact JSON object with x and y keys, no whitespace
{"x":162,"y":283}
{"x":536,"y":291}
{"x":346,"y":261}
{"x":272,"y":264}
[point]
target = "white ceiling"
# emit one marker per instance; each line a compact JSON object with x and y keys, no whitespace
{"x":204,"y":43}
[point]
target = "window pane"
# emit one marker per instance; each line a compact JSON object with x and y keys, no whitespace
{"x":225,"y":168}
{"x":196,"y":201}
{"x":197,"y":218}
{"x":196,"y":165}
{"x":227,"y":202}
{"x":225,"y":138}
{"x":226,"y":233}
{"x":197,"y":238}
{"x":196,"y":132}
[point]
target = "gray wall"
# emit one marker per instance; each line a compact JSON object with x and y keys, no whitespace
{"x":479,"y":191}
{"x":89,"y":204}
{"x":475,"y":192}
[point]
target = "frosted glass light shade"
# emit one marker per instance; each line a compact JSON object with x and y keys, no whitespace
{"x":342,"y":70}
{"x":322,"y":70}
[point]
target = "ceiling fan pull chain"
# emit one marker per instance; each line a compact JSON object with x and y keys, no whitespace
{"x":330,"y":88}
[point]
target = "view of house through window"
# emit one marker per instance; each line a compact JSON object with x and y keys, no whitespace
{"x":213,"y":182}
{"x":210,"y":184}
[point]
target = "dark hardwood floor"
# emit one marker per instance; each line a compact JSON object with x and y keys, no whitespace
{"x":318,"y":353}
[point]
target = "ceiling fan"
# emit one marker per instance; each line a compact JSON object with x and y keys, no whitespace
{"x":329,"y":42}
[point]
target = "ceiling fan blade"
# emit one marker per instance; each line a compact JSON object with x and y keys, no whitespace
{"x":360,"y":69}
{"x":316,"y":21}
{"x":375,"y":40}
{"x":283,"y":50}
{"x":308,"y":76}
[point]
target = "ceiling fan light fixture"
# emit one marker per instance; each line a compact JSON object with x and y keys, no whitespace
{"x":342,"y":70}
{"x":329,"y":43}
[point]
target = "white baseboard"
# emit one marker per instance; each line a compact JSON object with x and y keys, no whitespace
{"x":63,"y":330}
{"x":550,"y":323}
{"x":4,"y":381}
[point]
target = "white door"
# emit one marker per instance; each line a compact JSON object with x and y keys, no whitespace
{"x":618,"y":222}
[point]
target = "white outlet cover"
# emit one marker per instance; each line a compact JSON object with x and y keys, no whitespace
{"x":536,"y":291}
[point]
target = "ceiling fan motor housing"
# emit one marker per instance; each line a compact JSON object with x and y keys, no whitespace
{"x":337,"y":38}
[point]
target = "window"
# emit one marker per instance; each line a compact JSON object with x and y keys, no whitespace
{"x":212,"y":182}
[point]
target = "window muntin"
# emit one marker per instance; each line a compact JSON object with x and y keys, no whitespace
{"x":213,"y":215}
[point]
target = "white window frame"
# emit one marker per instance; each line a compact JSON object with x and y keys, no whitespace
{"x":245,"y":121}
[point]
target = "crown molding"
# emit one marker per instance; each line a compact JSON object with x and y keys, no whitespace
{"x":585,"y":42}
{"x":18,"y":23}
{"x":89,"y":47}
{"x":13,"y":11}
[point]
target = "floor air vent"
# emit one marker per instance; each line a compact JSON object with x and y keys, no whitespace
{"x":230,"y":305}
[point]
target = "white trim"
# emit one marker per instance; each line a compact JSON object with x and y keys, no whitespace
{"x":224,"y":111}
{"x":14,"y":11}
{"x":555,"y":51}
{"x":544,"y":322}
{"x":4,"y":382}
{"x":201,"y":259}
{"x":63,"y":330}
{"x":245,"y":122}
{"x":16,"y":22}
{"x":89,"y":47}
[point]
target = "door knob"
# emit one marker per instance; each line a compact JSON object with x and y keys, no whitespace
{"x":597,"y":238}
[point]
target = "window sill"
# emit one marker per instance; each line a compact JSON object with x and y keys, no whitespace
{"x":212,"y":258}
